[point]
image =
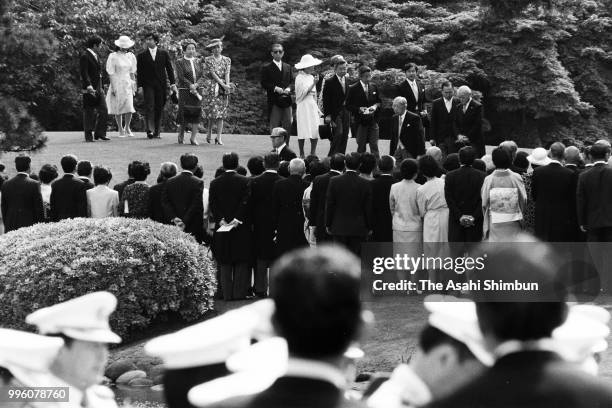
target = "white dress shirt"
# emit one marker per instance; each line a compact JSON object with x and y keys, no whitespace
{"x":280,"y":148}
{"x":365,"y":87}
{"x":153,"y":52}
{"x":342,"y":82}
{"x":102,"y":202}
{"x":278,"y":64}
{"x":449,"y":104}
{"x":415,"y":89}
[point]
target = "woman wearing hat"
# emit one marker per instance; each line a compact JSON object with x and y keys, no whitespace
{"x":188,"y":72}
{"x":121,"y":68}
{"x":307,"y":111}
{"x":217,"y":88}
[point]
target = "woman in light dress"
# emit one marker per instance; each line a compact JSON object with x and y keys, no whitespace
{"x":434,"y":210}
{"x":121,"y":68}
{"x":307,"y":110}
{"x":503,"y":200}
{"x":102,"y":201}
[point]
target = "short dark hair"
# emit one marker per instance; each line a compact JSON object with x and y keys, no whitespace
{"x":508,"y":318}
{"x":409,"y":168}
{"x":432,"y":337}
{"x":429,"y":166}
{"x":445,"y":84}
{"x":152,"y":35}
{"x":139,"y":171}
{"x":256,"y":165}
{"x":230,"y":161}
{"x":411,"y":65}
{"x":241,"y":170}
{"x":93,"y":41}
{"x":521,"y":160}
{"x":317,"y":168}
{"x":336,"y":162}
{"x":47,"y":173}
{"x":187,"y":43}
{"x":219,"y":171}
{"x":276,"y":45}
{"x":199,"y":171}
{"x":283,"y":168}
{"x":189,"y":161}
{"x":84,"y":168}
{"x":101,"y":175}
{"x":385,"y":164}
{"x":352,"y":160}
{"x":271,"y":161}
{"x":316,"y":293}
{"x":467,"y":155}
{"x":501,"y":158}
{"x":599,"y":151}
{"x":368,"y":163}
{"x":451,"y":162}
{"x":479,"y":164}
{"x":69,"y":163}
{"x":364,"y":69}
{"x":22,"y":163}
{"x":311,"y":158}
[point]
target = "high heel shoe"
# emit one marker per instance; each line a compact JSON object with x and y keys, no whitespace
{"x":218,"y":142}
{"x":193,"y":142}
{"x":208,"y":140}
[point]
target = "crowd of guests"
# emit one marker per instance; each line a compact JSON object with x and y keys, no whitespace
{"x":300,"y":347}
{"x":286,"y":202}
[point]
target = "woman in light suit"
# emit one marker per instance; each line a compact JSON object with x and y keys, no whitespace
{"x":307,"y":110}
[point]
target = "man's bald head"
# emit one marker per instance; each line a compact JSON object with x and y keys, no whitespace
{"x":557,"y":151}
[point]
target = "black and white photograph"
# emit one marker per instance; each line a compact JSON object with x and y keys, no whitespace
{"x":305,"y":204}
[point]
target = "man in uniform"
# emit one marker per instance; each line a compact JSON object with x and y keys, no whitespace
{"x":83,"y":325}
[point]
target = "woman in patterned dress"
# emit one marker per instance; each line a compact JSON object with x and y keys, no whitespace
{"x":121,"y":68}
{"x":188,"y":72}
{"x":135,"y":198}
{"x":217,"y":88}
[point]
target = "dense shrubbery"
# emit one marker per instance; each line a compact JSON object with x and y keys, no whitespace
{"x":544,"y":67}
{"x":153,"y":269}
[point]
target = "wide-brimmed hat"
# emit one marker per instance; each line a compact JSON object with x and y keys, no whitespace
{"x":214,"y":42}
{"x":307,"y":61}
{"x":539,"y":157}
{"x":124,"y":42}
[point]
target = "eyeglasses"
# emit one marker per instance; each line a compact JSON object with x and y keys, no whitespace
{"x":277,"y":52}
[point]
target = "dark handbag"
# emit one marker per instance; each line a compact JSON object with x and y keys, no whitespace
{"x":91,"y":99}
{"x":283,"y":101}
{"x":326,"y":131}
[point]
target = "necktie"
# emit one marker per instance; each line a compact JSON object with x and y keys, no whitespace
{"x":366,"y":89}
{"x":399,"y":128}
{"x":465,"y":107}
{"x":342,"y":83}
{"x":415,"y":90}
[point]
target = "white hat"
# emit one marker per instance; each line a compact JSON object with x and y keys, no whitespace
{"x":206,"y":343}
{"x":457,"y":318}
{"x":307,"y":61}
{"x":539,"y":157}
{"x":83,"y":318}
{"x":27,"y":351}
{"x":124,"y":42}
{"x":584,"y":332}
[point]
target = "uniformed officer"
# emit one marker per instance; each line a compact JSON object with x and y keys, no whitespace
{"x":83,"y":325}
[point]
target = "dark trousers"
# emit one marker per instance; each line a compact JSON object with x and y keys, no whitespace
{"x":321,"y":235}
{"x":352,"y":243}
{"x":235,"y":280}
{"x":261,"y":276}
{"x":457,"y":233}
{"x":368,"y":134}
{"x":95,"y":117}
{"x":281,"y":117}
{"x":600,"y":255}
{"x":341,"y":131}
{"x":599,"y":234}
{"x":154,"y":100}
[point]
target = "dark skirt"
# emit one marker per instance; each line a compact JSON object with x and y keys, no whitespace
{"x":190,"y":107}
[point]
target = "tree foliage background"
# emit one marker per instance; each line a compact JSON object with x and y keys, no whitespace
{"x":544,"y":67}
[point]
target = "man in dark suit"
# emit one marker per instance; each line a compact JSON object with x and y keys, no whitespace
{"x":469,"y":120}
{"x":407,"y":139}
{"x":181,"y":198}
{"x":462,"y":192}
{"x":84,"y":171}
{"x":95,"y":112}
{"x":527,"y":372}
{"x":229,"y":197}
{"x":154,"y":69}
{"x":68,"y":194}
{"x":263,"y":222}
{"x":277,"y":80}
{"x":552,"y":189}
{"x":442,"y":130}
{"x":22,"y":204}
{"x":318,"y":196}
{"x":279,"y":145}
{"x":319,"y":313}
{"x":334,"y":110}
{"x":363,"y":101}
{"x":381,"y":187}
{"x":156,"y":211}
{"x":348,"y":209}
{"x":119,"y":187}
{"x":413,"y":90}
{"x":287,"y":209}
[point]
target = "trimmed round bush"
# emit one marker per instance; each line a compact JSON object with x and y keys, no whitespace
{"x":152,"y":268}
